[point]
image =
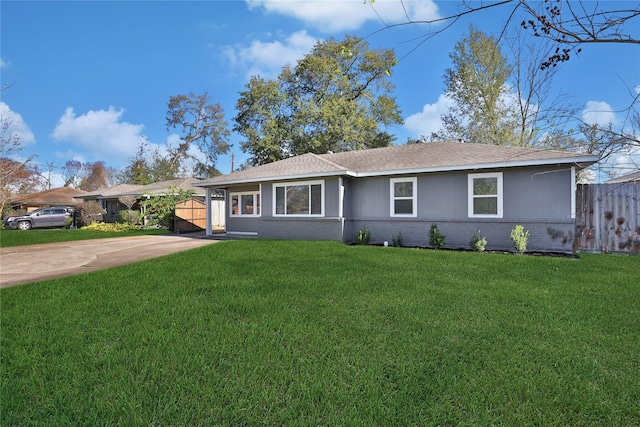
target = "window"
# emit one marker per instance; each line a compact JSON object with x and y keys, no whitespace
{"x":299,"y":198}
{"x":403,"y":197}
{"x":245,"y":204}
{"x":485,"y":195}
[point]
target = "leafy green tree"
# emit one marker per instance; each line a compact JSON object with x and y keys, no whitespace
{"x":477,"y":83}
{"x":148,"y":166}
{"x":336,"y":98}
{"x":202,"y":124}
{"x":159,"y":209}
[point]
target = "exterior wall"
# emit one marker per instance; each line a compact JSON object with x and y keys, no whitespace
{"x":266,"y":225}
{"x":537,"y":198}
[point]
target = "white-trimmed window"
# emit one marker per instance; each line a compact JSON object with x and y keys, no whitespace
{"x":404,"y":201}
{"x":485,"y":195}
{"x":245,"y":204}
{"x":298,"y":199}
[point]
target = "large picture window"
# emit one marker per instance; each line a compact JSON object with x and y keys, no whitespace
{"x":485,"y":195}
{"x":299,"y":198}
{"x":403,"y":197}
{"x":245,"y":204}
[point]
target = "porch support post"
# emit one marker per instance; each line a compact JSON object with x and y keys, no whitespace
{"x":207,"y":202}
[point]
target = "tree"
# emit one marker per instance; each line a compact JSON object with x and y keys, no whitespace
{"x":336,"y":98}
{"x":568,"y":24}
{"x":72,"y":173}
{"x":541,"y":116}
{"x":95,"y":176}
{"x":159,"y":209}
{"x":14,"y":174}
{"x":478,"y":85}
{"x":202,"y":125}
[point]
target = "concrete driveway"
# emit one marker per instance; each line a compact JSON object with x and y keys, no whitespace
{"x":24,"y":264}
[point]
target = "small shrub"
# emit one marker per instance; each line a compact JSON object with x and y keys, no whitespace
{"x":397,"y":241}
{"x":520,"y":237}
{"x":436,"y":238}
{"x":68,"y":222}
{"x":478,"y":241}
{"x":130,"y":217}
{"x":364,"y":235}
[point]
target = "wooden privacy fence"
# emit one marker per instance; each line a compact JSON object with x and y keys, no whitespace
{"x":191,"y":215}
{"x":608,"y":218}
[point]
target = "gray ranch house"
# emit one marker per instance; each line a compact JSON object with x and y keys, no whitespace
{"x":461,"y":187}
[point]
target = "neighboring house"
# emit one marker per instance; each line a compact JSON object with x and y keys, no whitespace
{"x":630,"y":177}
{"x":109,"y":197}
{"x":64,"y":196}
{"x":461,"y":187}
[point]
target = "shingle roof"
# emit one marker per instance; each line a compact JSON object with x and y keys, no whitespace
{"x":55,"y":197}
{"x":630,"y":177}
{"x":410,"y":158}
{"x":137,"y":190}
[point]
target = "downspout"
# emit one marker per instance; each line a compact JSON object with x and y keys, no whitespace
{"x":341,"y":206}
{"x":573,"y":193}
{"x":207,"y":202}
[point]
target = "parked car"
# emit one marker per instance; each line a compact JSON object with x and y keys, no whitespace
{"x":40,"y":218}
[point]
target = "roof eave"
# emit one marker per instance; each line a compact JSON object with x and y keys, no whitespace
{"x":583,"y":161}
{"x":220,"y":184}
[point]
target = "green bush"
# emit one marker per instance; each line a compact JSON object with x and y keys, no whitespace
{"x":364,"y":236}
{"x":160,"y":208}
{"x":478,"y":241}
{"x":436,"y":238}
{"x":520,"y":237}
{"x":397,"y":241}
{"x":132,"y":217}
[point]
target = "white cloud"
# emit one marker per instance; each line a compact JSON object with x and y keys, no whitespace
{"x":100,"y":133}
{"x":598,"y":112}
{"x":628,"y":161}
{"x":268,"y":58}
{"x":17,"y":125}
{"x":3,"y":64}
{"x":344,"y":15}
{"x":428,"y":120}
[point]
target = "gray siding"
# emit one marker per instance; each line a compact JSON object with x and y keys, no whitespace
{"x":267,"y":226}
{"x":539,"y":198}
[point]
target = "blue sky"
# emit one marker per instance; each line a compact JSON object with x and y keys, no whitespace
{"x":90,"y":79}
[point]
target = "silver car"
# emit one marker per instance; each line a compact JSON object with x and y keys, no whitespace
{"x":40,"y":218}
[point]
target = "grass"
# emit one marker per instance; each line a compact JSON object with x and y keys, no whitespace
{"x":259,"y":332}
{"x":53,"y":235}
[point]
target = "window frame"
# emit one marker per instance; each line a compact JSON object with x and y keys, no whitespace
{"x":256,"y":202}
{"x":499,"y":196}
{"x":413,"y":198}
{"x":284,"y":185}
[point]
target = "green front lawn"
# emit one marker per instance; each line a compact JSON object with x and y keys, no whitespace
{"x":54,"y":235}
{"x":259,"y":332}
